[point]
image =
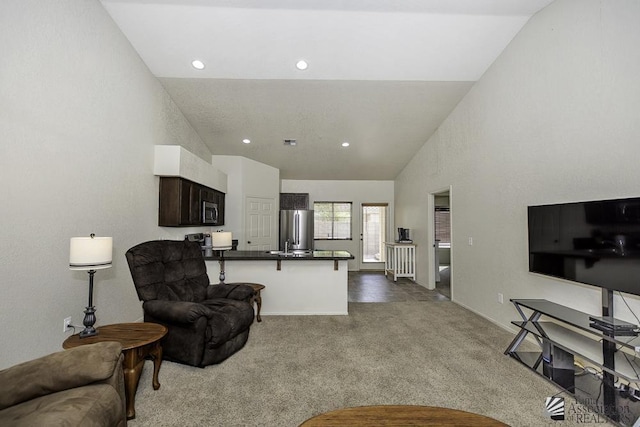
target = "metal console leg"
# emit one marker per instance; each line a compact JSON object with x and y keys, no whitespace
{"x":523,"y":333}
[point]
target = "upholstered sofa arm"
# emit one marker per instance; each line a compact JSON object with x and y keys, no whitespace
{"x":173,"y":312}
{"x":236,"y":291}
{"x":60,"y":371}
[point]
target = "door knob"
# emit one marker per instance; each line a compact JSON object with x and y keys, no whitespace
{"x":249,"y":241}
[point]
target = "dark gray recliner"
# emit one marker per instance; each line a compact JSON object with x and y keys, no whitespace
{"x":207,"y":323}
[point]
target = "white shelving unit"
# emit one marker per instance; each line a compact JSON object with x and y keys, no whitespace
{"x":400,"y":260}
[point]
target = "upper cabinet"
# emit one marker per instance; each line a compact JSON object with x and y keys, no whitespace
{"x":294,"y":201}
{"x":184,"y":203}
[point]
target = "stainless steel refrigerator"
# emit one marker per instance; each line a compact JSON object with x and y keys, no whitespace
{"x":296,"y":227}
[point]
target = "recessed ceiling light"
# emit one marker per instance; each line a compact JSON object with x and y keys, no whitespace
{"x":302,"y":65}
{"x":246,"y":141}
{"x":345,"y":144}
{"x":197,"y":64}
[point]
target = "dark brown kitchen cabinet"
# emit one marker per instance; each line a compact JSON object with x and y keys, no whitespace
{"x":180,"y":202}
{"x":294,"y":201}
{"x":208,"y":194}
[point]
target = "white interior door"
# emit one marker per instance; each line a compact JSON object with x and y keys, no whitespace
{"x":260,"y":224}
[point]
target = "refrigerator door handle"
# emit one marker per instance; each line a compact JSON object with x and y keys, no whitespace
{"x":296,"y":223}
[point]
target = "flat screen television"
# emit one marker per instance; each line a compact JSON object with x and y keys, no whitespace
{"x":593,"y":242}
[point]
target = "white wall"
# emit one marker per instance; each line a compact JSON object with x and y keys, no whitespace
{"x":554,"y":119}
{"x":79,"y":117}
{"x":357,"y":192}
{"x":247,"y":178}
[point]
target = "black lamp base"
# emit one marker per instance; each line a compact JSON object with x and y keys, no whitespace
{"x":88,"y":322}
{"x":90,"y":312}
{"x":86,"y":333}
{"x":221,"y":277}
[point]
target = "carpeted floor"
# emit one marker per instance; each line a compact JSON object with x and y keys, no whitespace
{"x":295,"y":367}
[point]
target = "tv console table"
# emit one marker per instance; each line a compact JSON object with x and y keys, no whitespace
{"x":604,"y":390}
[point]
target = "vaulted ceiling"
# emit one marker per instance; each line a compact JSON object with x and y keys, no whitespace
{"x":382,"y":74}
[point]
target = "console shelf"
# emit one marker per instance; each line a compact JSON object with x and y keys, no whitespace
{"x":575,"y":318}
{"x":627,"y":366}
{"x":612,"y":358}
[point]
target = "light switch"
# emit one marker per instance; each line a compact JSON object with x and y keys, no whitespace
{"x":470,"y":241}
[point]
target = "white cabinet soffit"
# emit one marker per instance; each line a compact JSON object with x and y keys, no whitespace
{"x":175,"y":160}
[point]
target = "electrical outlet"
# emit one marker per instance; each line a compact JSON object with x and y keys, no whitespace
{"x":66,"y":323}
{"x":500,"y":298}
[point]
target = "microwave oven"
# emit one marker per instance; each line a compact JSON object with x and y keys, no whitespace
{"x":209,"y":213}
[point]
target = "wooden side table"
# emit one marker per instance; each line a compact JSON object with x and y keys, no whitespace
{"x":256,"y":298}
{"x":139,"y":341}
{"x":400,"y":415}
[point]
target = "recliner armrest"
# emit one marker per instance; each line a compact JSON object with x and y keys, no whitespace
{"x":60,"y":371}
{"x":172,"y":312}
{"x":236,"y":291}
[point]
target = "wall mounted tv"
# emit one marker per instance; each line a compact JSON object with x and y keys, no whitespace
{"x":594,"y":242}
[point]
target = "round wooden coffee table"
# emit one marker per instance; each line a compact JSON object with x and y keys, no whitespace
{"x":139,"y":341}
{"x":400,"y":415}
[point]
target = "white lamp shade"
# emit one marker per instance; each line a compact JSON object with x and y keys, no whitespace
{"x":221,"y":240}
{"x":90,"y":253}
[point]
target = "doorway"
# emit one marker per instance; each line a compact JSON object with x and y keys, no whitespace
{"x":373,"y":235}
{"x":260,"y":224}
{"x":440,"y":255}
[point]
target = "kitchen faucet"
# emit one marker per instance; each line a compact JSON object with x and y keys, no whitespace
{"x":618,"y":242}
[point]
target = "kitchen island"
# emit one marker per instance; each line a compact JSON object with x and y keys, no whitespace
{"x":310,"y":283}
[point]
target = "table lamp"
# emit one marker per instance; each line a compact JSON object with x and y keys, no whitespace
{"x":90,"y":253}
{"x":221,"y":241}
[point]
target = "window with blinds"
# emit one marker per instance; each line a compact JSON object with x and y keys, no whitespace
{"x":443,"y":226}
{"x":332,"y":220}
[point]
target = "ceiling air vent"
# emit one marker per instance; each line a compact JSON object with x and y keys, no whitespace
{"x":290,"y":142}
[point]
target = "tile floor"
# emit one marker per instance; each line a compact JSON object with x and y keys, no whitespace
{"x":444,"y":285}
{"x":373,"y":286}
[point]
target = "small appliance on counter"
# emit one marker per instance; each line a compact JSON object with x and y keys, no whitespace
{"x":205,"y":242}
{"x":403,"y":235}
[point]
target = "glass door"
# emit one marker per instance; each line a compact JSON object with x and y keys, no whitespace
{"x":373,"y":236}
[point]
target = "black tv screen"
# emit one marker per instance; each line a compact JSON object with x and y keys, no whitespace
{"x":594,"y":242}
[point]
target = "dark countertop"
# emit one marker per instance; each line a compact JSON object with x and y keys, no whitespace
{"x":267,"y":256}
{"x":594,"y":254}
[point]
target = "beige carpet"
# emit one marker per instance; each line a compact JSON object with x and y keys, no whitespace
{"x":295,"y":367}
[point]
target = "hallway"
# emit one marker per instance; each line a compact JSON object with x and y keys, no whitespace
{"x":373,"y":286}
{"x":444,"y":285}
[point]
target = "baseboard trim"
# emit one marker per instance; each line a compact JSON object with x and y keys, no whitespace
{"x":303,"y":313}
{"x":506,"y":328}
